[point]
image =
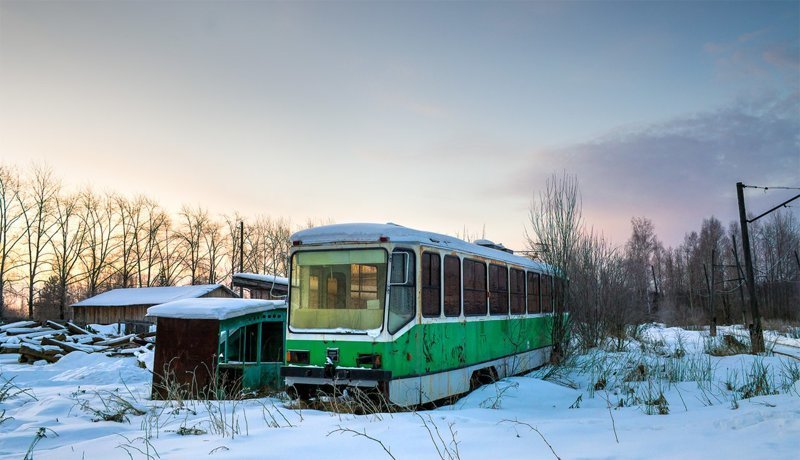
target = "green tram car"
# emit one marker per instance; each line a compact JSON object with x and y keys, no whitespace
{"x":417,"y":316}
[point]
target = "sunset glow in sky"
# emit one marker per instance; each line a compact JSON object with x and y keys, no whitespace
{"x":438,"y":116}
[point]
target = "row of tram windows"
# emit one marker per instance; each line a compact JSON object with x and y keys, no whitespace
{"x":488,"y":289}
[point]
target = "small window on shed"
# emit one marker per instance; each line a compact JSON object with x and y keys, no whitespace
{"x":452,"y":286}
{"x":431,"y":281}
{"x":517,"y":290}
{"x":498,"y":290}
{"x":474,"y":288}
{"x":251,"y":344}
{"x":534,"y":304}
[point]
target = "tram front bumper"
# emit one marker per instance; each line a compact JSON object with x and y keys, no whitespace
{"x":329,"y":375}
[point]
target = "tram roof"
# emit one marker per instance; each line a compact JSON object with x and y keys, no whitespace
{"x":366,"y":232}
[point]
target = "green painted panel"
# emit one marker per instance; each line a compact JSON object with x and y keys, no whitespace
{"x":439,"y":346}
{"x":258,"y":374}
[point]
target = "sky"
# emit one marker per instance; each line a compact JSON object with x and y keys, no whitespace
{"x":443,"y":116}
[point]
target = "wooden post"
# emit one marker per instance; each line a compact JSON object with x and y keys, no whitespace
{"x":689,"y":276}
{"x":713,"y":288}
{"x":712,"y":328}
{"x":756,"y":333}
{"x":655,"y":286}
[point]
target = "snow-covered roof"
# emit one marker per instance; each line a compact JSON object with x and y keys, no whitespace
{"x":213,"y":308}
{"x":262,"y":278}
{"x":362,"y":233}
{"x":147,"y":295}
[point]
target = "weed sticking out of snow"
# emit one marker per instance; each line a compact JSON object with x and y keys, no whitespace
{"x":726,"y":345}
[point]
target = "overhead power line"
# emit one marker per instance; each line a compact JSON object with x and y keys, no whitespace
{"x":774,"y":188}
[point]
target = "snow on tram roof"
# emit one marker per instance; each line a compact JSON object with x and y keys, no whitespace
{"x":365,"y":232}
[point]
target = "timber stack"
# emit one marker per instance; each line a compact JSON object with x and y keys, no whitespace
{"x":49,"y":341}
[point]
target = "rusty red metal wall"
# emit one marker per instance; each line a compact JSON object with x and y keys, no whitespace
{"x":185,"y":356}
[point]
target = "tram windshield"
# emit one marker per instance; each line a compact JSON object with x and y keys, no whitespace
{"x":338,"y":290}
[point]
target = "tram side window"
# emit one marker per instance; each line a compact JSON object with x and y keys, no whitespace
{"x":431,"y":281}
{"x":547,"y":293}
{"x":474,"y":288}
{"x":452,"y":286}
{"x":402,"y":294}
{"x":498,"y":290}
{"x":534,"y":305}
{"x":517,"y":290}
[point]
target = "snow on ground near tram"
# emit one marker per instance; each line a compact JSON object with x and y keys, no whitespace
{"x":706,"y":416}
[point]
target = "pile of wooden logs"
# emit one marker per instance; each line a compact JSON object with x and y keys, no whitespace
{"x":50,"y":341}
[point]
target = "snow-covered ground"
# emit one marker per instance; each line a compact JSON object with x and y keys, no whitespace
{"x":603,"y":404}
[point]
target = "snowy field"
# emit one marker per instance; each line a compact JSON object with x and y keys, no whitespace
{"x":663,"y":397}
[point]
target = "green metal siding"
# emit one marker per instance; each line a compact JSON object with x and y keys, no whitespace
{"x":438,"y":346}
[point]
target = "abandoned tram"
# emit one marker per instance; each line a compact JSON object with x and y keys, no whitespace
{"x":417,"y":316}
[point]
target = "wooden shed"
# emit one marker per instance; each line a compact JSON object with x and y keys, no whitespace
{"x":217,"y":347}
{"x":130,"y":304}
{"x":260,"y":286}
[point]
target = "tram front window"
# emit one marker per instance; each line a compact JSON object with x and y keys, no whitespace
{"x":338,"y":290}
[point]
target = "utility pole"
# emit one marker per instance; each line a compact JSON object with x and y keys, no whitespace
{"x":241,"y":254}
{"x":756,"y":333}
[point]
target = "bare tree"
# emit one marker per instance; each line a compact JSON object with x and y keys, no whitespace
{"x":11,"y":212}
{"x":194,"y":223}
{"x":640,"y":253}
{"x":777,"y":242}
{"x":276,"y":244}
{"x":151,"y":218}
{"x":170,"y":256}
{"x":102,"y":221}
{"x":214,"y":249}
{"x":38,"y":204}
{"x":556,"y":225}
{"x":68,"y":243}
{"x":130,"y":218}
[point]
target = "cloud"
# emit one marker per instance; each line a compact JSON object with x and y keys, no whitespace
{"x":750,"y":36}
{"x":755,"y":54}
{"x":680,"y":170}
{"x":783,"y":56}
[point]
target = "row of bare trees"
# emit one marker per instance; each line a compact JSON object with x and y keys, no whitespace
{"x":58,"y":246}
{"x":703,"y":278}
{"x":699,"y":282}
